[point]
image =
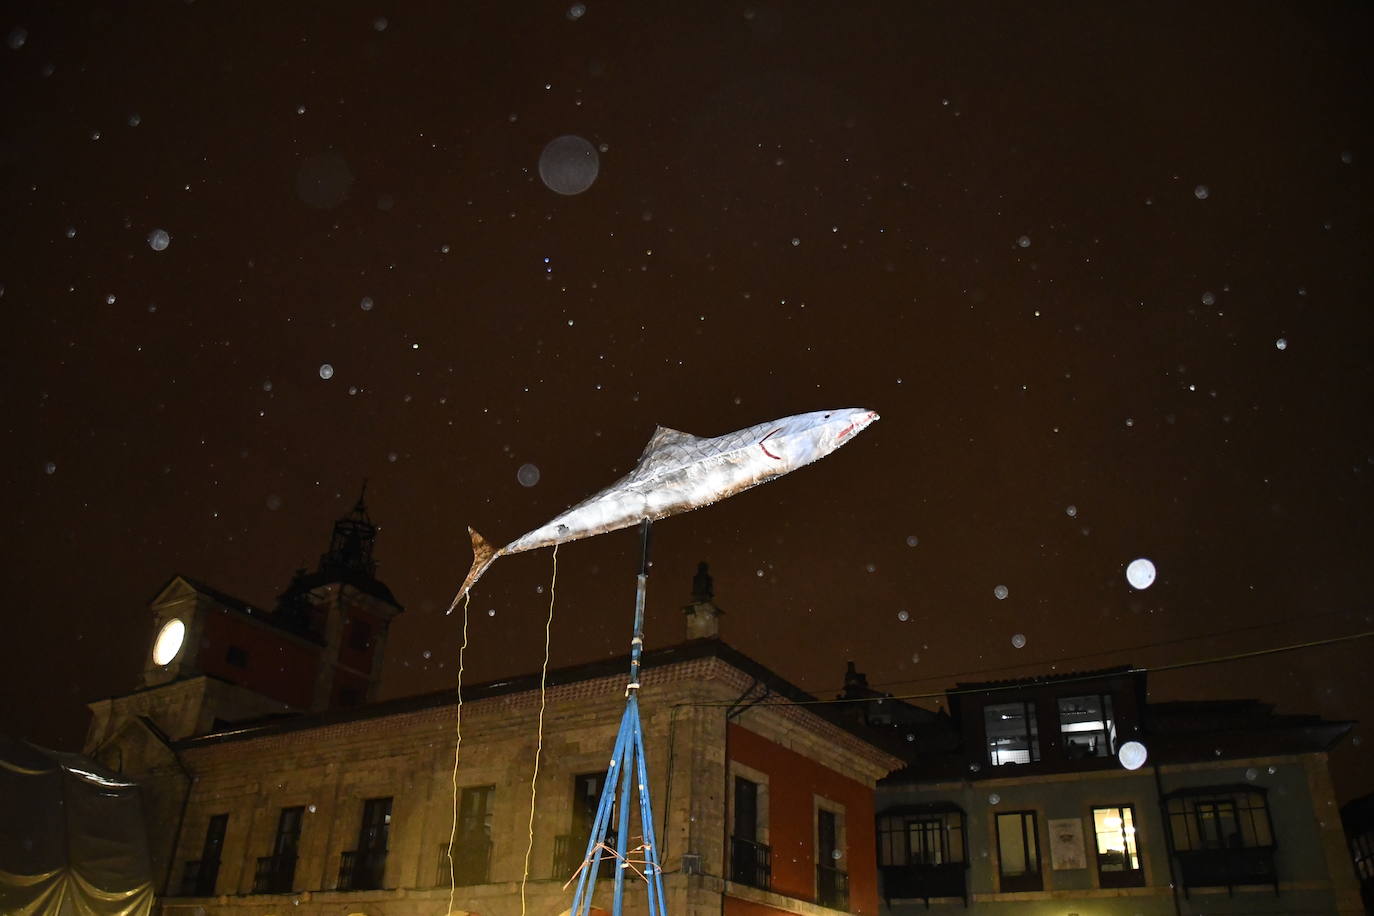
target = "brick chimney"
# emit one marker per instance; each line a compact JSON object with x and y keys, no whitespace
{"x":703,"y":617}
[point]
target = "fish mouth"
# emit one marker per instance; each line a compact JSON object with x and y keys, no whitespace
{"x":857,"y":424}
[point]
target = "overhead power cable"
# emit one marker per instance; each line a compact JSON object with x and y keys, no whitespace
{"x":1020,"y":684}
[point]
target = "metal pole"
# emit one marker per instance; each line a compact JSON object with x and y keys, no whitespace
{"x":627,"y":769}
{"x":642,"y":586}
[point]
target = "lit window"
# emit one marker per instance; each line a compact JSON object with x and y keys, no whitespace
{"x":1118,"y":858}
{"x":1087,"y":726}
{"x":1012,"y":736}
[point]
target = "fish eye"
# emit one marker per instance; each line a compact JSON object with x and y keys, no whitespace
{"x":827,"y":416}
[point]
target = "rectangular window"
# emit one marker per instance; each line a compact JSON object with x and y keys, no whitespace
{"x":288,"y":836}
{"x":746,"y":808}
{"x":1118,"y":858}
{"x":364,"y":868}
{"x":1087,"y":726}
{"x":832,"y":881}
{"x":472,"y":845}
{"x":1362,"y":848}
{"x":921,"y":839}
{"x":198,"y":880}
{"x":376,"y":827}
{"x":214,"y":840}
{"x":1012,"y":736}
{"x":751,"y":862}
{"x":587,"y":790}
{"x":1235,"y":819}
{"x":1222,"y":836}
{"x":925,"y":839}
{"x":276,"y":874}
{"x":1018,"y":852}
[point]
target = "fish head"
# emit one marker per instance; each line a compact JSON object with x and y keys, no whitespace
{"x":805,"y":437}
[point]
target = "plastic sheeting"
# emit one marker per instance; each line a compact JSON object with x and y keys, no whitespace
{"x":73,"y":842}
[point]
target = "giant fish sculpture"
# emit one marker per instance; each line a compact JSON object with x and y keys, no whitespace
{"x":679,"y":472}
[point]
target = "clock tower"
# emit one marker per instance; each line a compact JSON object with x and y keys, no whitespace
{"x":213,"y":659}
{"x":348,"y":608}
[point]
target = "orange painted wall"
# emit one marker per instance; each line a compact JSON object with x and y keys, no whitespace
{"x":277,"y":666}
{"x":792,"y":781}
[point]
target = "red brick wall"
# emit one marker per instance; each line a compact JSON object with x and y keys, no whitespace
{"x":277,"y":666}
{"x":792,"y":781}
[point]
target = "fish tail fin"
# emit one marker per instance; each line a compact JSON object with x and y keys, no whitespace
{"x":483,"y":555}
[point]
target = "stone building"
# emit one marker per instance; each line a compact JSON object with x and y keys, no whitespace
{"x":274,"y":782}
{"x":273,"y":785}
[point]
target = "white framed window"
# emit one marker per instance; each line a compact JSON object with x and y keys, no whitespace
{"x":751,"y":856}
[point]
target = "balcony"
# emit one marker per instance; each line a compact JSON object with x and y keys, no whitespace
{"x":832,"y":887}
{"x":471,"y":862}
{"x":921,"y":882}
{"x":567,"y":856}
{"x":275,"y":874}
{"x":750,"y":863}
{"x":1227,"y":868}
{"x":362,"y":870}
{"x":198,"y":878}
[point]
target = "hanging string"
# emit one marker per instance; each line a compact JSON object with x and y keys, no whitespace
{"x":458,"y":731}
{"x":539,"y":746}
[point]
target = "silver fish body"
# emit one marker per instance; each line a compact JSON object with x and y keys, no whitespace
{"x":678,"y":472}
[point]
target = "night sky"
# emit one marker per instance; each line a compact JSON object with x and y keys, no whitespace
{"x":1103,"y":271}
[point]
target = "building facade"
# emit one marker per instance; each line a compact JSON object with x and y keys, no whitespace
{"x":1021,"y":804}
{"x":272,"y":784}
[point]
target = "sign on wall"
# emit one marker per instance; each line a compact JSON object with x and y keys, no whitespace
{"x":1066,"y":844}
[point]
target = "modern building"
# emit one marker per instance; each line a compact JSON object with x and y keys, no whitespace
{"x":1017,"y":801}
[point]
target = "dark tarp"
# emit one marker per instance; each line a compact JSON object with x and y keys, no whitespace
{"x":72,"y":838}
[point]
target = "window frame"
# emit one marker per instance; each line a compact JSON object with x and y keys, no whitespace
{"x":837,"y":866}
{"x":1129,"y":833}
{"x":1030,"y":734}
{"x":1108,"y":731}
{"x":894,"y":830}
{"x":762,"y":874}
{"x":1029,"y":879}
{"x":1246,"y":803}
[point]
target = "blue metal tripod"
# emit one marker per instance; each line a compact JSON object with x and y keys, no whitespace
{"x":627,"y":768}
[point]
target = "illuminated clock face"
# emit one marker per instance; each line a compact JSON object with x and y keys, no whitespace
{"x":169,"y":640}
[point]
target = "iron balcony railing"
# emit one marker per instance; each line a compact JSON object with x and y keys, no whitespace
{"x":1228,"y":868}
{"x":918,"y":881}
{"x":198,"y":878}
{"x":362,"y":869}
{"x":471,"y":862}
{"x":275,"y":874}
{"x":751,"y":863}
{"x":832,"y":887}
